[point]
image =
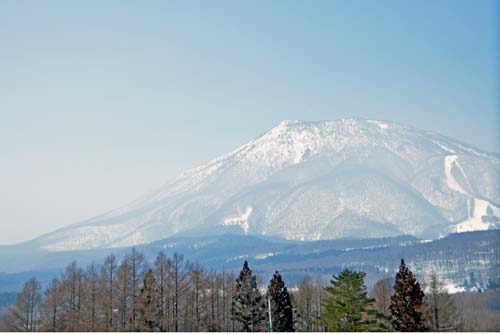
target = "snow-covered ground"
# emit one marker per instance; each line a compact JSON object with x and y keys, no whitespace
{"x":403,"y":193}
{"x":477,"y":209}
{"x":241,"y":220}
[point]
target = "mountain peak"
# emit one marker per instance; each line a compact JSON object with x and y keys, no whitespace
{"x":308,"y":180}
{"x":355,"y":123}
{"x":288,"y":122}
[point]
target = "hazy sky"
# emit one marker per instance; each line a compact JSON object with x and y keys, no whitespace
{"x":101,"y":101}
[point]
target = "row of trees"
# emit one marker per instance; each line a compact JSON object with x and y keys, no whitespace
{"x":176,"y":295}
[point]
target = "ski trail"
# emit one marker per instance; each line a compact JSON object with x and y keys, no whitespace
{"x":241,"y":220}
{"x":474,"y":221}
{"x":451,"y":182}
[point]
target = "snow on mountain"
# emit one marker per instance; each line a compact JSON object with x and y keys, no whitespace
{"x":241,"y":220}
{"x":476,"y":208}
{"x":313,"y":180}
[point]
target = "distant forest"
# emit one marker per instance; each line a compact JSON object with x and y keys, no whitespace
{"x":174,"y":295}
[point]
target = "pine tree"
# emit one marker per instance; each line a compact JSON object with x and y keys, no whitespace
{"x":148,"y":305}
{"x":348,"y":307}
{"x":407,"y":302}
{"x":247,"y":305}
{"x":281,"y":305}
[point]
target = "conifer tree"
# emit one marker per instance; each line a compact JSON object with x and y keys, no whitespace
{"x":247,"y":305}
{"x":407,"y":302}
{"x":348,"y":307}
{"x":147,"y":305}
{"x":281,"y":305}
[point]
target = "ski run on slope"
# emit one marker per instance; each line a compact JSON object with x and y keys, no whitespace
{"x":347,"y":178}
{"x":477,"y":209}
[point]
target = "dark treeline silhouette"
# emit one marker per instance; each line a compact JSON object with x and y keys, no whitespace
{"x":173,"y":294}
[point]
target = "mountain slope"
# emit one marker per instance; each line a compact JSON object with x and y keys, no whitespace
{"x":313,"y":180}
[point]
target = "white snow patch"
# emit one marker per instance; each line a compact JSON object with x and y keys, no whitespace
{"x":236,"y":258}
{"x":381,"y":125}
{"x":288,"y":143}
{"x":475,"y":220}
{"x":264,"y":256}
{"x":364,"y":248}
{"x":476,"y":208}
{"x":452,"y":288}
{"x":85,"y":237}
{"x":451,"y":182}
{"x":446,"y":148}
{"x":241,"y":219}
{"x":475,"y":152}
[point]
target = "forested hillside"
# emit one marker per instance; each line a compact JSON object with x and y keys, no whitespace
{"x":175,"y":294}
{"x":472,"y":257}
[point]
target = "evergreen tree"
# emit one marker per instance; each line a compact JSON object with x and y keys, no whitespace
{"x":147,"y":305}
{"x":281,"y":305}
{"x":407,"y":302}
{"x":247,"y":305}
{"x":348,"y":307}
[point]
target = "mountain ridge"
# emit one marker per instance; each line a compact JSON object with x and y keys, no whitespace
{"x":430,"y":171}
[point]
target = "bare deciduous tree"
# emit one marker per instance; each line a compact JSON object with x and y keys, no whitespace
{"x":25,"y":315}
{"x":107,"y":287}
{"x":440,"y":311}
{"x":382,"y":291}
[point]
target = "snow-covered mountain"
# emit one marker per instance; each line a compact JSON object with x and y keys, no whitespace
{"x":313,"y":180}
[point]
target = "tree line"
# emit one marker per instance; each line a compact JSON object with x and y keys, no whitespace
{"x":174,"y":295}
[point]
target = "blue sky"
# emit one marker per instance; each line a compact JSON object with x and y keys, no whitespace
{"x":102,"y":101}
